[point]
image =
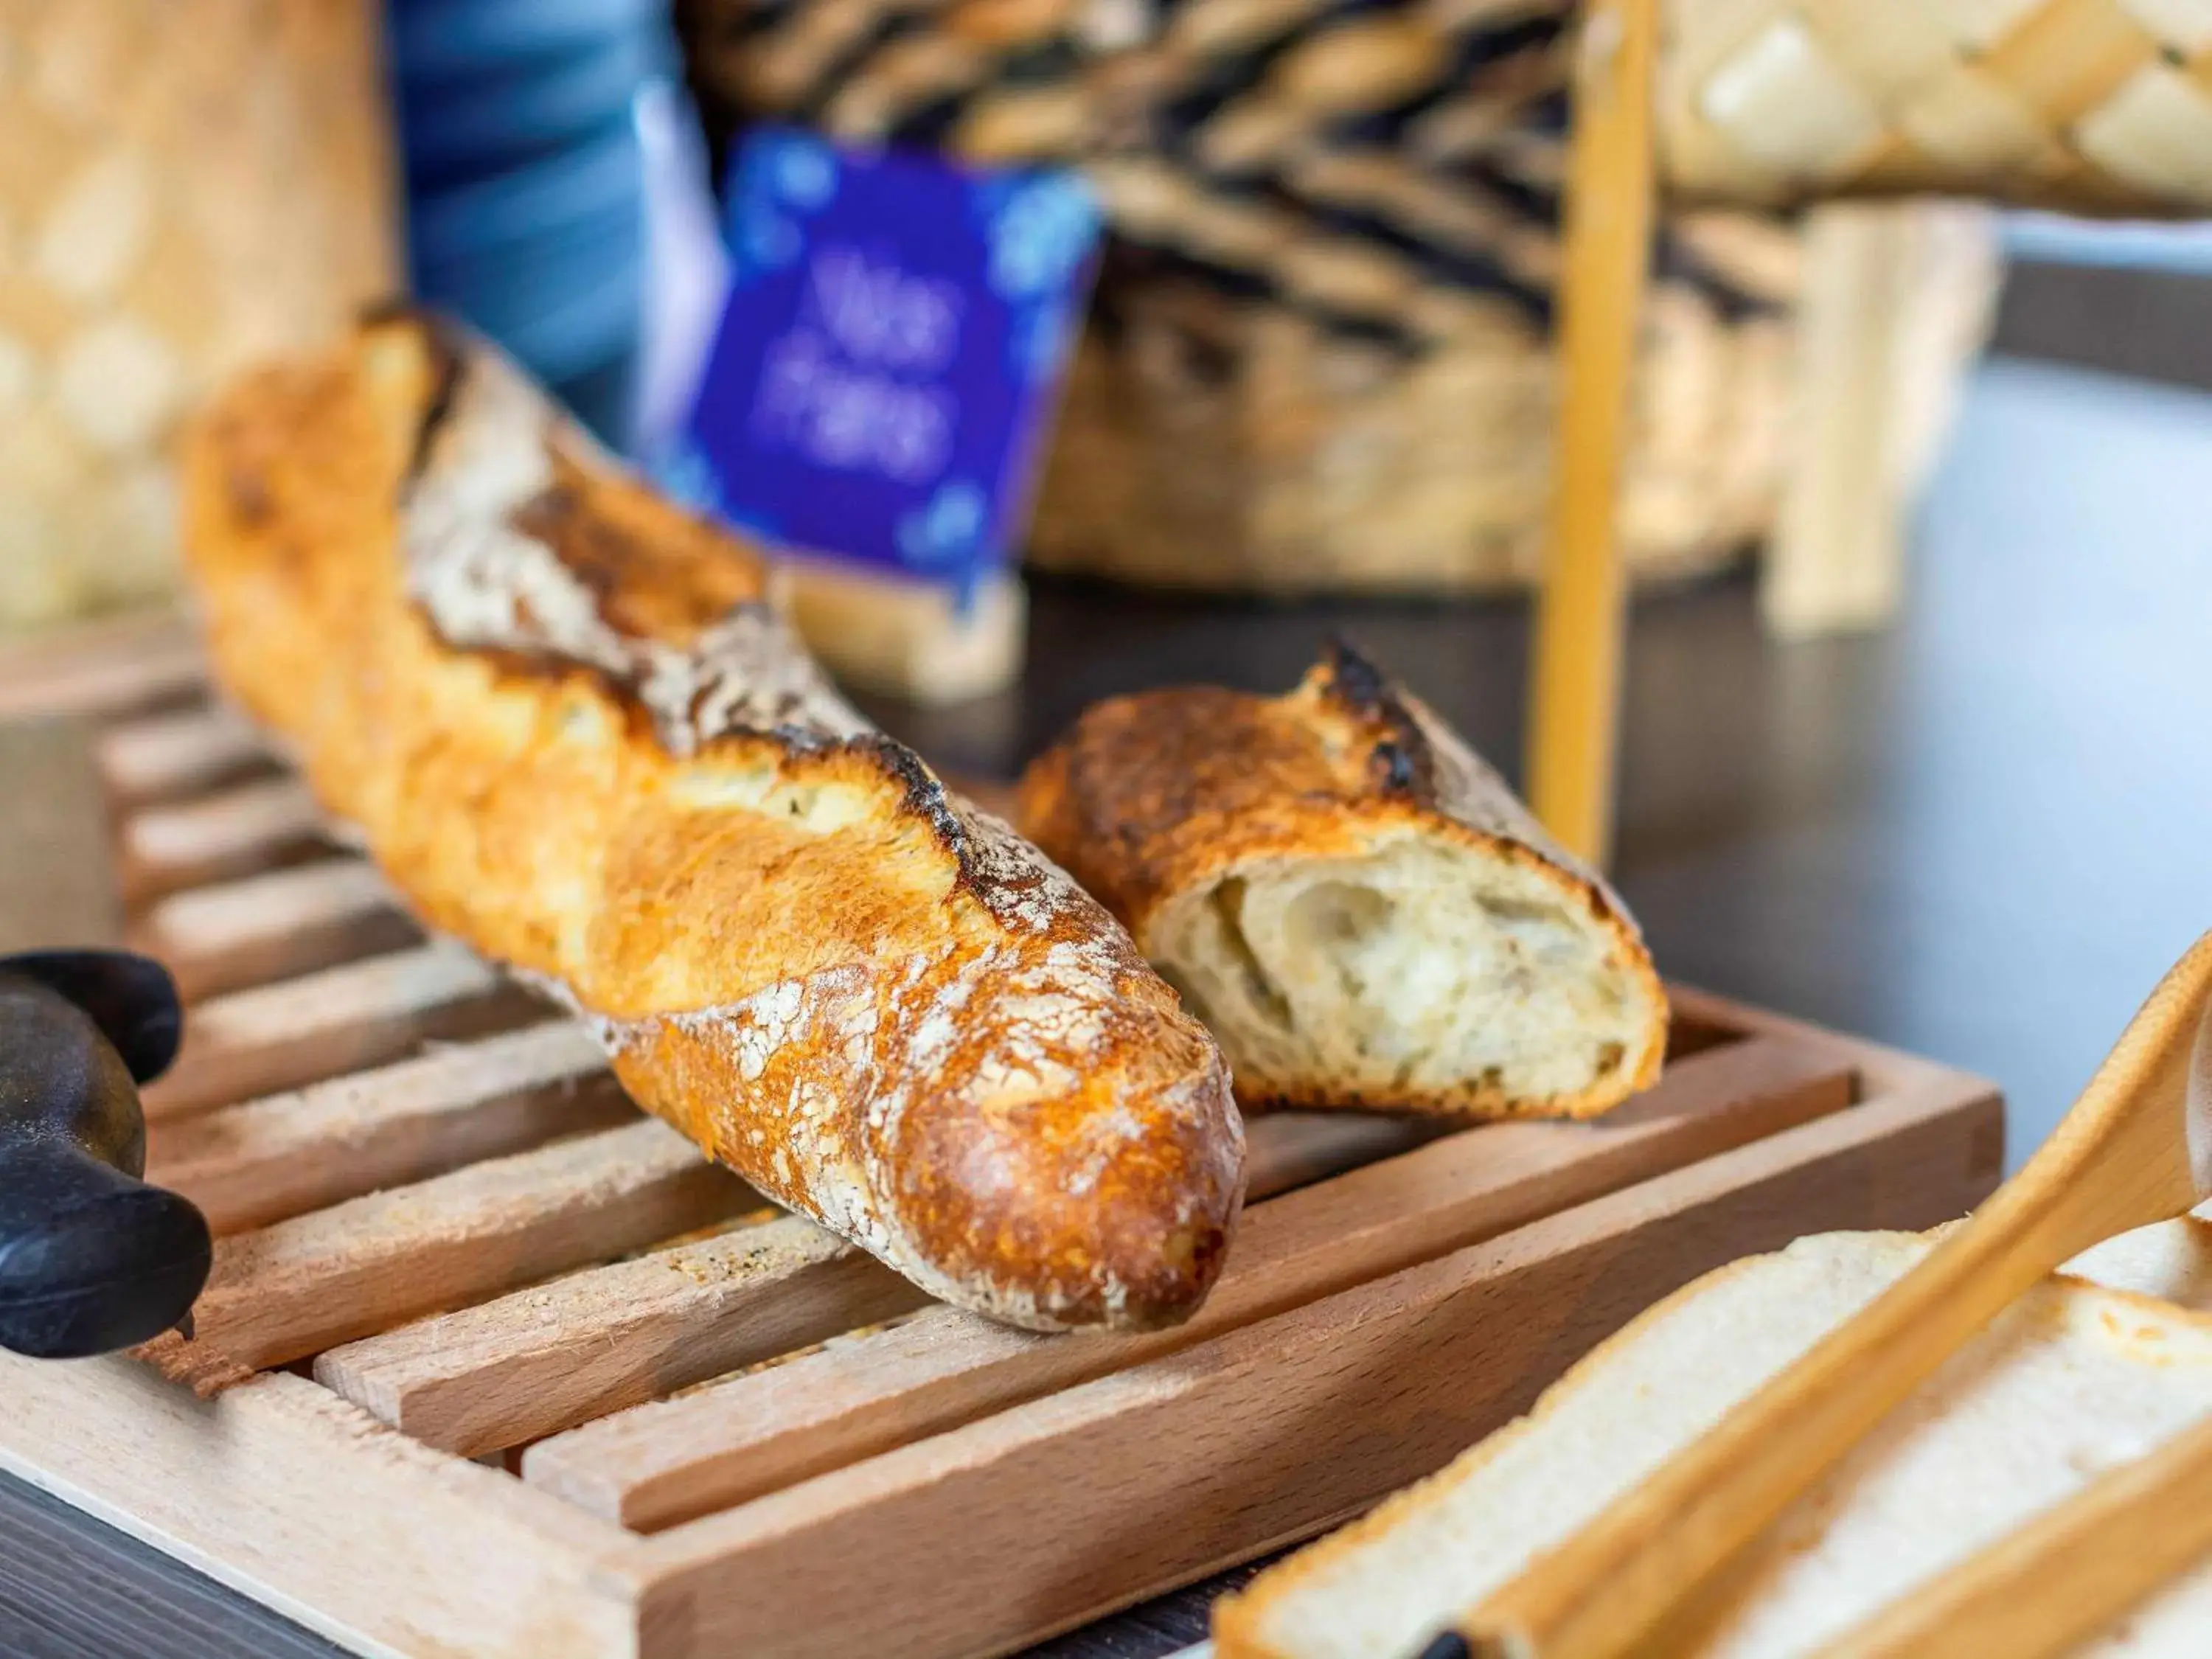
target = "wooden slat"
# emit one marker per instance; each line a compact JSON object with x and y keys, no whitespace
{"x":234,"y":832}
{"x":105,"y":668}
{"x":1285,"y":1151}
{"x":282,"y":1155}
{"x":184,"y":751}
{"x":1066,"y":1507}
{"x":1882,"y":1071}
{"x":549,"y":1358}
{"x":305,"y":1502}
{"x":543,"y":1359}
{"x":322,"y":1025}
{"x":274,"y":925}
{"x":1060,"y":1506}
{"x":57,"y":885}
{"x":659,"y":1464}
{"x":300,"y":1286}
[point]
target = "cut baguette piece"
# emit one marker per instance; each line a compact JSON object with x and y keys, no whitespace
{"x":2074,"y":1379}
{"x":567,"y":721}
{"x":1356,"y":906}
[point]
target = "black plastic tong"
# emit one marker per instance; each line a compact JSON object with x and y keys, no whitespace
{"x":91,"y":1259}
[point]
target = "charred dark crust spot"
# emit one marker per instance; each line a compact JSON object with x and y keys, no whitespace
{"x":925,"y":796}
{"x":1394,"y":768}
{"x":555,"y":519}
{"x":523,"y":662}
{"x":1357,"y":683}
{"x":446,"y":365}
{"x":922,"y":793}
{"x":394,"y":308}
{"x":597,"y":555}
{"x":248,"y":495}
{"x":1403,"y":761}
{"x":544,"y":666}
{"x":647,"y":582}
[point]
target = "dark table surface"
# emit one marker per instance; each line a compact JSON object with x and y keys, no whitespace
{"x":1979,"y":833}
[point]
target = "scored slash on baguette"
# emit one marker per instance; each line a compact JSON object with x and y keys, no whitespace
{"x":1356,"y":905}
{"x":572,"y":731}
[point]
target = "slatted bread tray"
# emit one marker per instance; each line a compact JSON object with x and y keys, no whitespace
{"x":490,"y":1363}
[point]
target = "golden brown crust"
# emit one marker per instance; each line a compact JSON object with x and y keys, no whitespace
{"x":573,"y":735}
{"x":654,"y":574}
{"x":1157,"y":794}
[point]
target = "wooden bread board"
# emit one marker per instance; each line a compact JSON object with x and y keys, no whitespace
{"x":497,"y":1366}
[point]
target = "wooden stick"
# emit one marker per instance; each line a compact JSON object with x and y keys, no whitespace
{"x":162,"y":757}
{"x":265,"y":1160}
{"x":342,"y":1019}
{"x":2064,"y":1577}
{"x":1574,"y":688}
{"x":2121,"y":1158}
{"x":235,"y":832}
{"x":305,"y":1284}
{"x":663,"y":1463}
{"x":278,"y":925}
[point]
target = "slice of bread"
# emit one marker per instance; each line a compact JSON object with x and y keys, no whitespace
{"x":2074,"y":1379}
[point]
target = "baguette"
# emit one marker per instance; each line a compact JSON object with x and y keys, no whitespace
{"x":2086,"y":1372}
{"x":1354,"y":904}
{"x":566,"y":720}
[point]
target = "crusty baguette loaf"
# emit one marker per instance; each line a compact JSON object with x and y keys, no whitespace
{"x":1354,"y":904}
{"x":562,"y":718}
{"x":2077,"y":1377}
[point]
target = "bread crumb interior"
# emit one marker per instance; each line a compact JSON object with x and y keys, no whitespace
{"x":1419,"y":965}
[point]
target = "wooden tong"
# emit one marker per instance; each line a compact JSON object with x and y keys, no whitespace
{"x":2136,"y":1148}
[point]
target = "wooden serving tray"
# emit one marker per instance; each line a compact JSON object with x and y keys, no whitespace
{"x":493,"y":1365}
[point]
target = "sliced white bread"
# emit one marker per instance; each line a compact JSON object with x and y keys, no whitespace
{"x":2075,"y":1378}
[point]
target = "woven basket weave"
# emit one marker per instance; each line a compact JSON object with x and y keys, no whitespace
{"x":1222,"y":444}
{"x":2093,"y":105}
{"x":185,"y":186}
{"x":1320,"y":354}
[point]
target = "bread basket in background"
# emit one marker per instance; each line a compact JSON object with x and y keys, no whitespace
{"x":1320,"y":356}
{"x":185,"y":186}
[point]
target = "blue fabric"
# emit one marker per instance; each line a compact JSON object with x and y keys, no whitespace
{"x":463,"y":40}
{"x":519,"y":115}
{"x":516,"y":205}
{"x":525,"y":179}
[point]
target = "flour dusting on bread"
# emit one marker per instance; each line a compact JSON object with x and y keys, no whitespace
{"x":577,"y":735}
{"x":486,"y":581}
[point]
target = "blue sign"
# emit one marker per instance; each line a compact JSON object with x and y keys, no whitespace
{"x":887,"y":356}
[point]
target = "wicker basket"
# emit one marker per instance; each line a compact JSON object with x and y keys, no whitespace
{"x":185,"y":185}
{"x":2100,"y":106}
{"x":1320,"y":356}
{"x":1219,"y":444}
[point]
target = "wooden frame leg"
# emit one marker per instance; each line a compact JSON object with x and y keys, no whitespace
{"x":1575,"y":690}
{"x":1887,"y":314}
